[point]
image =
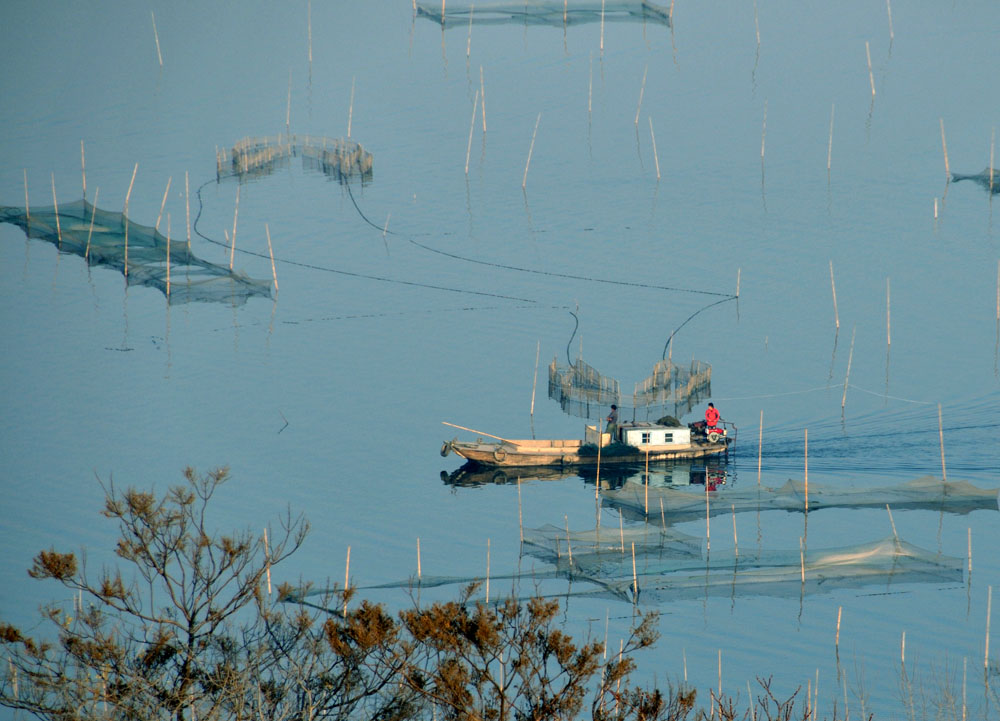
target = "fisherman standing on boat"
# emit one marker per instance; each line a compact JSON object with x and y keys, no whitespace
{"x":711,"y":418}
{"x":612,"y":426}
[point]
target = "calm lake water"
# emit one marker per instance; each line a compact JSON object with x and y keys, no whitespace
{"x":423,"y":295}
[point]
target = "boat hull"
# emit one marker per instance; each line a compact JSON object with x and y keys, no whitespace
{"x":563,"y":454}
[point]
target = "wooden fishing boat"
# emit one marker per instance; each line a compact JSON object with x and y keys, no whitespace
{"x":635,"y":442}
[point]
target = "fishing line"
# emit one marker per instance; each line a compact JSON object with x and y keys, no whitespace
{"x":551,"y":274}
{"x":351,"y":274}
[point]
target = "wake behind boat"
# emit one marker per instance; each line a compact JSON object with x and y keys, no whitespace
{"x":634,"y":442}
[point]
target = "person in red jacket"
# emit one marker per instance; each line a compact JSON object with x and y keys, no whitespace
{"x":711,"y":417}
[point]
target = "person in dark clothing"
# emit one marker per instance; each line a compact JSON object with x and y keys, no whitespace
{"x":612,"y":426}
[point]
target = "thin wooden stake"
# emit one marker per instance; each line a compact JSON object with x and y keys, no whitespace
{"x":847,"y":378}
{"x":965,"y":673}
{"x":888,"y":324}
{"x":93,"y":213}
{"x":125,"y":214}
{"x":829,"y":147}
{"x":418,"y":558}
{"x":187,"y":208}
{"x":309,"y":24}
{"x":736,"y":543}
{"x":944,"y":471}
{"x":621,"y":533}
{"x":635,"y":579}
{"x":236,"y":213}
{"x":27,"y":210}
{"x":168,"y":262}
{"x":350,"y":112}
{"x":944,"y":149}
{"x":656,"y":156}
{"x":488,"y":570}
{"x":602,"y":27}
{"x":802,"y":560}
{"x":836,"y":641}
{"x":288,"y":106}
{"x":663,"y":518}
{"x":902,"y":649}
{"x":760,"y":444}
{"x":482,"y":97}
{"x":891,"y":522}
{"x":531,"y":148}
{"x":270,"y":252}
{"x":989,"y":609}
{"x":993,"y":142}
{"x":833,"y":287}
{"x":163,"y":204}
{"x":156,"y":37}
{"x":472,"y":125}
{"x":468,"y":44}
{"x":267,"y":558}
{"x":347,"y":576}
{"x":739,"y":274}
{"x":520,"y":517}
{"x":534,"y":382}
{"x":970,"y":550}
{"x":56,"y":204}
{"x":569,"y":545}
{"x":763,"y":133}
{"x":642,"y":90}
{"x":708,"y":529}
{"x":83,"y":171}
{"x":871,"y":77}
{"x":807,"y":470}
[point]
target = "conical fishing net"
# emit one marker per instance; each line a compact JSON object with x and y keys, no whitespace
{"x":143,"y":254}
{"x":670,"y":385}
{"x":338,"y":159}
{"x":581,"y":390}
{"x":544,"y":12}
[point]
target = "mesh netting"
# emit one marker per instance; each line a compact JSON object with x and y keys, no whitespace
{"x":989,"y":178}
{"x":593,"y":549}
{"x":338,"y":159}
{"x":678,"y":504}
{"x":670,"y":385}
{"x":580,"y":390}
{"x":141,"y":253}
{"x":544,"y":12}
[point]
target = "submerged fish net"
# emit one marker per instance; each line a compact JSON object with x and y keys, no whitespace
{"x":143,"y":254}
{"x":555,"y":13}
{"x":338,"y":159}
{"x":683,"y":504}
{"x":595,"y":548}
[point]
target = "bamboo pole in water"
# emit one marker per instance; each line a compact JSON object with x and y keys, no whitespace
{"x":156,"y":37}
{"x":267,"y":558}
{"x":472,"y":125}
{"x":944,"y":471}
{"x":93,"y":213}
{"x":807,"y":470}
{"x":836,"y":641}
{"x":83,"y":170}
{"x":347,"y":577}
{"x":232,"y":245}
{"x":55,"y":203}
{"x":125,"y":214}
{"x":531,"y":148}
{"x":871,"y":76}
{"x":163,"y":204}
{"x":27,"y":210}
{"x":847,"y":378}
{"x":891,"y":522}
{"x":888,"y":324}
{"x":187,"y":208}
{"x":829,"y":147}
{"x":270,"y":252}
{"x":350,"y":112}
{"x":520,"y":516}
{"x":635,"y":577}
{"x":534,"y":382}
{"x":642,"y":90}
{"x":944,"y":149}
{"x":656,"y":156}
{"x":418,"y":559}
{"x":760,"y":444}
{"x":989,"y":608}
{"x":168,"y":256}
{"x":482,"y":97}
{"x":833,"y":287}
{"x":888,"y":7}
{"x":488,"y":570}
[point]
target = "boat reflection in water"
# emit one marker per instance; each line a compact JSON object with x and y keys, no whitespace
{"x":675,"y":475}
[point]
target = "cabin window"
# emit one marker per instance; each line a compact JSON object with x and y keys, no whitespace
{"x":645,"y":436}
{"x":668,"y":437}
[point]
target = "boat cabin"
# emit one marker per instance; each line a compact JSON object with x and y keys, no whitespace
{"x":644,"y":436}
